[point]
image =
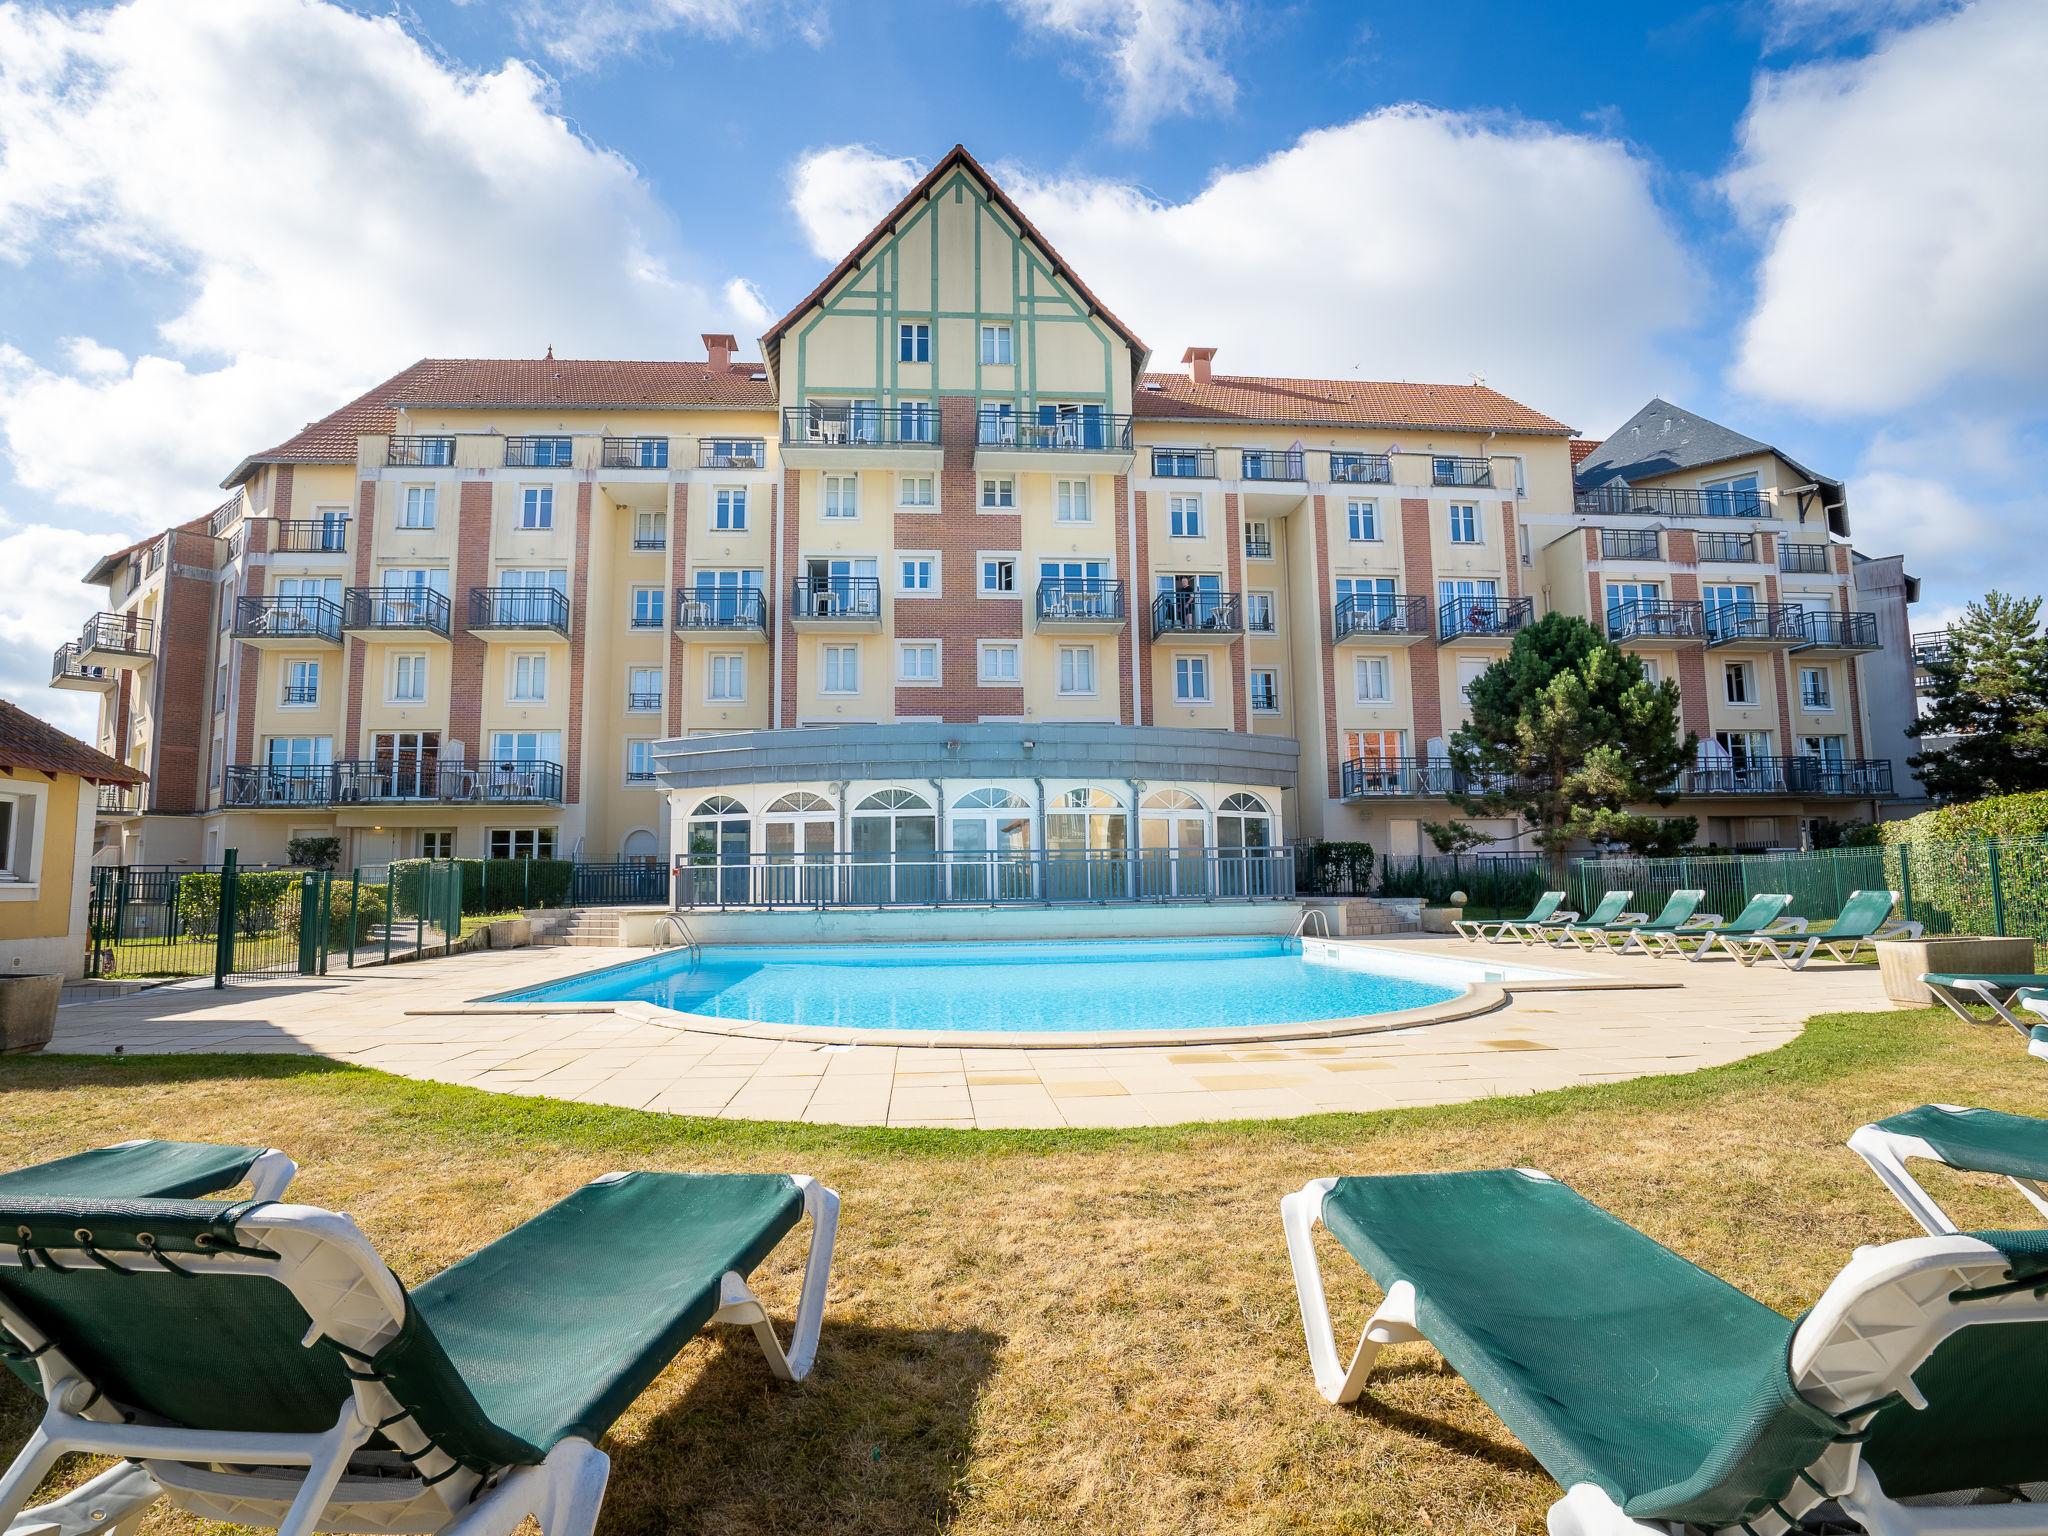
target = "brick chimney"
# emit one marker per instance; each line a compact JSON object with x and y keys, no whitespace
{"x":720,"y":349}
{"x":1198,"y":360}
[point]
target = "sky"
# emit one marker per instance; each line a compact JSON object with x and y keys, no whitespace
{"x":1821,"y":222}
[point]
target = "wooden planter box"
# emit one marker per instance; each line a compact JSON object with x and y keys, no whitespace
{"x":28,"y":1012}
{"x":1902,"y":962}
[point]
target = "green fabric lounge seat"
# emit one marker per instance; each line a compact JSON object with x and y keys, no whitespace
{"x":1663,"y":1399}
{"x":1762,"y":914}
{"x":258,"y":1363}
{"x":2013,"y":1147}
{"x":1611,"y":907}
{"x":155,"y":1170}
{"x":1956,"y":990}
{"x":1548,"y":909}
{"x":1866,"y":918}
{"x":1678,"y":911}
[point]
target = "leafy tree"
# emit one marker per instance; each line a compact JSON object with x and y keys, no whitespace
{"x":1991,"y":695}
{"x":1450,"y":837}
{"x":313,"y":852}
{"x":1656,"y":837}
{"x":1567,"y":731}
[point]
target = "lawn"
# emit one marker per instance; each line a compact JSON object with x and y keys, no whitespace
{"x":1075,"y":1331}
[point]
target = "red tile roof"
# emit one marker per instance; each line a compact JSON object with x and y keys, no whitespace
{"x":523,"y":383}
{"x":26,"y":742}
{"x":1581,"y":446}
{"x":1337,"y":402}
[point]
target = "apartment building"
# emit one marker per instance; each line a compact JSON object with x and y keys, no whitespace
{"x":949,"y":567}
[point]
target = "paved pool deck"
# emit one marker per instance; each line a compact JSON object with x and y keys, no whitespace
{"x":1681,"y":1017}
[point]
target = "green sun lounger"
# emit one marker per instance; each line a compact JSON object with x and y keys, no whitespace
{"x":1662,"y":1399}
{"x":1548,"y":910}
{"x":1677,"y":913}
{"x":1956,"y":990}
{"x":1762,"y":914}
{"x":1865,"y":919}
{"x":155,"y":1170}
{"x":2014,"y":1147}
{"x":258,"y":1363}
{"x":1610,"y":909}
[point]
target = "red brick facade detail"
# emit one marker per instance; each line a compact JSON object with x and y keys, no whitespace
{"x":1240,"y":648}
{"x":1141,"y":602}
{"x":785,"y":628}
{"x":1418,"y":576}
{"x":249,"y":660}
{"x":466,"y":661}
{"x":678,"y":574}
{"x":1683,"y":551}
{"x":1511,"y":550}
{"x":1852,"y":671}
{"x":1126,"y":650}
{"x":183,"y":702}
{"x":1780,"y":668}
{"x":579,"y":630}
{"x":1333,"y":738}
{"x":364,"y":534}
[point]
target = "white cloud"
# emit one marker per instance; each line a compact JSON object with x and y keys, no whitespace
{"x":587,"y":34}
{"x":838,"y":193}
{"x":1151,"y":59}
{"x":747,"y":303}
{"x":1902,"y":200}
{"x":46,"y":604}
{"x":1808,"y":21}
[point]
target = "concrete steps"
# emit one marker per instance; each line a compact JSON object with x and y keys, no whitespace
{"x":584,"y":928}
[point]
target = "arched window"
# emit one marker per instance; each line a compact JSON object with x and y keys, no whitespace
{"x":799,"y":837}
{"x":800,"y":801}
{"x":1086,"y":834}
{"x":988,"y":840}
{"x":894,"y":800}
{"x":1173,"y":838}
{"x":639,"y":847}
{"x":721,"y":848}
{"x":991,"y":799}
{"x":719,"y":805}
{"x":1244,"y":843}
{"x":895,"y":838}
{"x":1171,"y":800}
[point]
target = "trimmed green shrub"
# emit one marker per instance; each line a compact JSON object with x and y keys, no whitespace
{"x":1332,"y":869}
{"x":262,"y":897}
{"x":1998,"y":816}
{"x":488,"y":885}
{"x":365,"y":909}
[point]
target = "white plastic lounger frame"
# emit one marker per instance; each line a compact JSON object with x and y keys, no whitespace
{"x":1887,"y":1310}
{"x":1991,"y":996}
{"x":2036,"y":1003}
{"x":334,"y":1274}
{"x":1475,"y":929}
{"x":1793,"y":956}
{"x":1648,"y":942}
{"x":1887,"y":1152}
{"x":1529,"y":933}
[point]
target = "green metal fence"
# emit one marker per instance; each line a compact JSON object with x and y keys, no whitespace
{"x":409,"y":910}
{"x":216,"y":921}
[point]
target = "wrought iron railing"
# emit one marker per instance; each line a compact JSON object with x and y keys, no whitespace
{"x":1629,"y":544}
{"x":434,"y":452}
{"x":641,"y":702}
{"x":312,"y":535}
{"x":306,"y":617}
{"x":1669,"y":501}
{"x":119,"y":800}
{"x":1371,"y":777}
{"x":658,"y":539}
{"x":732,"y":453}
{"x":858,"y":426}
{"x":1815,"y":698}
{"x":836,"y":597}
{"x":1446,"y":469}
{"x":126,"y":634}
{"x":1184,"y":463}
{"x":1760,"y":775}
{"x":1931,"y":645}
{"x":394,"y":608}
{"x":633,"y":453}
{"x":518,"y":608}
{"x":1079,"y":599}
{"x":1482,"y":618}
{"x":1734,"y":623}
{"x":1257,"y":549}
{"x":1068,"y":432}
{"x":1197,"y":612}
{"x":1727,"y":548}
{"x":744,"y":608}
{"x":64,"y":664}
{"x":1361,"y":469}
{"x":366,"y":781}
{"x":1656,"y":619}
{"x":225,"y":516}
{"x":1842,"y":631}
{"x":1803,"y":559}
{"x":1394,"y":614}
{"x":548,"y":451}
{"x":1272,"y":464}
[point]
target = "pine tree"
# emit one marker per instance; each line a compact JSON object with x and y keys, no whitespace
{"x":1991,"y":695}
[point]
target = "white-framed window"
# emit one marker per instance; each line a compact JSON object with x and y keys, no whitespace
{"x":1816,"y":689}
{"x":998,"y":346}
{"x":917,"y":661}
{"x":996,"y":662}
{"x":643,"y":690}
{"x":520,"y":842}
{"x":841,"y":670}
{"x":526,"y":746}
{"x":1653,"y":670}
{"x":639,"y":760}
{"x":1735,"y":497}
{"x":729,"y":510}
{"x":648,"y":606}
{"x":301,"y":684}
{"x":1258,"y":612}
{"x":1373,"y":677}
{"x":998,"y":575}
{"x":917,"y":573}
{"x":1738,"y":680}
{"x":1077,"y":669}
{"x":437,"y":843}
{"x":1191,"y":680}
{"x":22,"y":808}
{"x":650,"y":530}
{"x":842,"y":496}
{"x":918,"y":491}
{"x":1070,"y":502}
{"x":1184,"y":516}
{"x":1470,"y":670}
{"x":1265,"y":690}
{"x":409,"y":679}
{"x":914,"y":342}
{"x":1362,"y":519}
{"x":1258,"y":541}
{"x":725,"y":678}
{"x":537,"y":506}
{"x":530,"y":678}
{"x":417,"y":510}
{"x":1464,"y":522}
{"x":998,"y":493}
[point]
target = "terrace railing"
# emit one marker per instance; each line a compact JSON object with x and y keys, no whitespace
{"x":421,"y":452}
{"x":312,"y":535}
{"x":1669,"y":501}
{"x":744,"y":608}
{"x":1199,"y":612}
{"x":1656,"y":619}
{"x":304,"y":617}
{"x":1395,"y":614}
{"x":732,"y":453}
{"x":1081,"y":599}
{"x":1803,"y":559}
{"x":1446,"y":469}
{"x":518,"y":608}
{"x":633,"y":453}
{"x":1727,"y":548}
{"x":1071,"y":433}
{"x":1475,"y":618}
{"x":857,"y":426}
{"x":1272,"y":464}
{"x":552,"y":451}
{"x":1629,"y":544}
{"x":1361,"y":469}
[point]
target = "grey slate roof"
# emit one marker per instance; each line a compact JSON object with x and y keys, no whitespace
{"x":1663,"y":438}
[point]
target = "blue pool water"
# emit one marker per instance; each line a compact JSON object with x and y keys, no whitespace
{"x":1163,"y":984}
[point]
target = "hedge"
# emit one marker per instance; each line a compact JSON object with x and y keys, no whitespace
{"x":266,"y":901}
{"x":1996,"y":816}
{"x":501,"y":885}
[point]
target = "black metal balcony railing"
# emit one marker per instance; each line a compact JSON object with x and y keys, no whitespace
{"x":302,"y":693}
{"x":633,"y":453}
{"x":1257,"y":549}
{"x":731,"y":453}
{"x":1816,"y":698}
{"x":394,"y":608}
{"x":518,"y":608}
{"x":1184,"y":463}
{"x":1080,"y":599}
{"x":1449,"y":470}
{"x":312,"y":536}
{"x":1731,"y":623}
{"x":1790,"y":776}
{"x":1272,"y":464}
{"x":1367,"y":777}
{"x":1842,"y":631}
{"x":1930,"y":645}
{"x":1198,"y":612}
{"x":745,"y":608}
{"x":1467,"y":618}
{"x":1656,"y":619}
{"x":421,"y":452}
{"x":1259,"y":619}
{"x":836,"y":597}
{"x":644,"y":540}
{"x":225,"y":516}
{"x":305,"y":617}
{"x":1727,"y":548}
{"x":858,"y":426}
{"x":548,"y":452}
{"x":1381,"y":613}
{"x":1629,"y":544}
{"x":1068,"y":432}
{"x":1669,"y":501}
{"x":1803,"y":559}
{"x":64,"y":663}
{"x":1361,"y":469}
{"x":639,"y":776}
{"x":127,"y":634}
{"x":365,"y":781}
{"x":642,"y":702}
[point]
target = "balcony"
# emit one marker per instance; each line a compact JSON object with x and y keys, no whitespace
{"x":290,"y":786}
{"x":421,"y":452}
{"x":1822,"y":699}
{"x":1756,"y":626}
{"x":643,"y":702}
{"x":1380,"y":618}
{"x":650,"y":543}
{"x":732,"y":453}
{"x":1666,"y":501}
{"x":225,"y":516}
{"x":287,"y":623}
{"x":1855,"y":777}
{"x":1840,"y":634}
{"x":118,"y":800}
{"x":740,"y":614}
{"x":836,"y":602}
{"x":1184,"y":463}
{"x":517,"y":611}
{"x":122,"y":641}
{"x":1361,"y":469}
{"x":1630,"y":544}
{"x":1930,"y":646}
{"x":1271,"y":464}
{"x":1656,"y":622}
{"x":68,"y":672}
{"x":834,"y":435}
{"x":1803,"y":559}
{"x":1448,"y":470}
{"x":1374,"y":778}
{"x":1095,"y":441}
{"x":1257,"y":549}
{"x":1197,"y":615}
{"x":1075,"y":604}
{"x":550,"y":452}
{"x":633,"y":453}
{"x":1727,"y":548}
{"x":420,"y":612}
{"x":311,"y":536}
{"x":1482,"y":620}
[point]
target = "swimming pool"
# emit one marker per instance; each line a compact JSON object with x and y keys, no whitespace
{"x":1096,"y":987}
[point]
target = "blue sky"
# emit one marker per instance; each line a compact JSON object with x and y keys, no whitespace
{"x":1821,"y":221}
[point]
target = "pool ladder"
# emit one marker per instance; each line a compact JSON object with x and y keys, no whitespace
{"x":668,"y":922}
{"x":1322,"y":921}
